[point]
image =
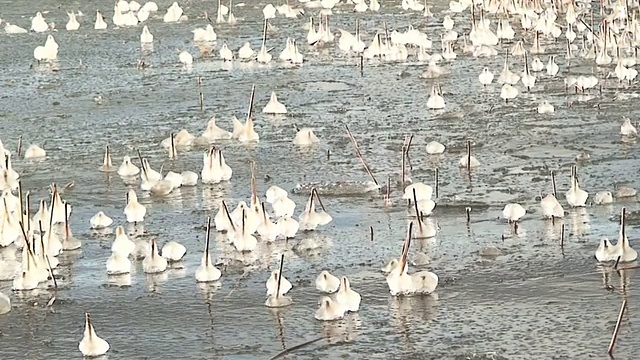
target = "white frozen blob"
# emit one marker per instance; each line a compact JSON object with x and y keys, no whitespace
{"x":305,"y":137}
{"x":576,"y":197}
{"x":347,"y":297}
{"x":275,"y":294}
{"x":327,"y":283}
{"x":154,"y":263}
{"x":173,"y":251}
{"x":91,"y":344}
{"x":329,"y":310}
{"x":100,"y":221}
{"x":206,"y":272}
{"x":274,"y":106}
{"x":134,"y":211}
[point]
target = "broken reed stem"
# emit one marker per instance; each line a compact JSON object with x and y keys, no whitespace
{"x":20,"y":146}
{"x":614,"y":337}
{"x":409,"y":142}
{"x":468,"y":214}
{"x":280,"y":276}
{"x":291,"y":349}
{"x":361,"y":65}
{"x":562,"y":232}
{"x":371,"y":232}
{"x":53,"y":277}
{"x":359,"y":154}
{"x":403,"y":167}
{"x":615,"y":266}
{"x":436,"y":180}
{"x":200,"y":93}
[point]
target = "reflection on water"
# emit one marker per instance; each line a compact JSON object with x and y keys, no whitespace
{"x":342,"y":331}
{"x":123,"y":280}
{"x":579,"y":222}
{"x":405,"y":310}
{"x":155,"y":281}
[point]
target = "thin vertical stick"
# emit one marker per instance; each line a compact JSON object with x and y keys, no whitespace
{"x":359,"y":154}
{"x":361,"y":65}
{"x":614,"y":337}
{"x":20,"y":146}
{"x":418,"y":213}
{"x":436,"y":180}
{"x":200,"y":94}
{"x":403,"y":167}
{"x":21,"y":200}
{"x":173,"y":152}
{"x":409,"y":144}
{"x":314,"y":191}
{"x":469,"y":155}
{"x":280,"y":276}
{"x":371,"y":232}
{"x":562,"y":232}
{"x":55,"y":283}
{"x":250,"y":110}
{"x":226,"y":210}
{"x":468,"y":214}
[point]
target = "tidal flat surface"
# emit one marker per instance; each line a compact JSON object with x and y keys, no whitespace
{"x":538,"y":300}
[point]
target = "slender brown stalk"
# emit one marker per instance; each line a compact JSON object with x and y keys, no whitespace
{"x":21,"y":200}
{"x":403,"y":167}
{"x":280,"y":276}
{"x":226,"y":210}
{"x":24,"y":235}
{"x":371,"y":232}
{"x":469,"y":155}
{"x":251,"y":100}
{"x":359,"y":154}
{"x":314,"y":191}
{"x":436,"y":180}
{"x":174,"y":153}
{"x":144,"y":168}
{"x":614,"y":337}
{"x":409,"y":142}
{"x":293,"y":348}
{"x":55,"y":283}
{"x":20,"y":146}
{"x":207,"y":240}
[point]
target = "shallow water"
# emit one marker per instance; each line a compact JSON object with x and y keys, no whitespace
{"x":538,"y":300}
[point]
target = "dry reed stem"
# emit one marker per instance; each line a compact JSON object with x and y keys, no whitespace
{"x":614,"y":337}
{"x":359,"y":154}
